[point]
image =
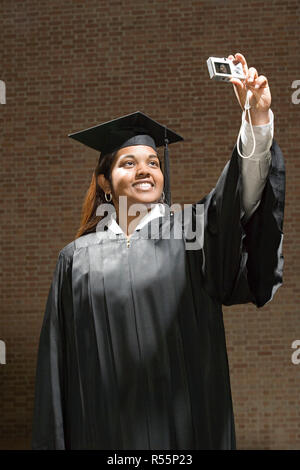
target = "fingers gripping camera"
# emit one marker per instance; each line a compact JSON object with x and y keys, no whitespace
{"x":222,"y":69}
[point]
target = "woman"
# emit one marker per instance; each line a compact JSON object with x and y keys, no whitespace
{"x":132,"y":352}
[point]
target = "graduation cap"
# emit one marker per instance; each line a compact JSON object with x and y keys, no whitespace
{"x":133,"y":129}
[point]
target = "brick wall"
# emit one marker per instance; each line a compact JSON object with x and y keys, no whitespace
{"x":73,"y":64}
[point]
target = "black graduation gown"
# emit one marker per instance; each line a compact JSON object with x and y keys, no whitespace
{"x":132,"y":351}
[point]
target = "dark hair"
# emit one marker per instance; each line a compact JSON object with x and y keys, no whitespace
{"x":95,"y":196}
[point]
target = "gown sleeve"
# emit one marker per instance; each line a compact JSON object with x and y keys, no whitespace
{"x":242,"y":258}
{"x":48,"y":419}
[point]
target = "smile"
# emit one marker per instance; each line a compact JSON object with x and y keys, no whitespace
{"x":143,"y":186}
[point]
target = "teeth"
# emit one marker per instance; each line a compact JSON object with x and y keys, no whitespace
{"x":143,"y":185}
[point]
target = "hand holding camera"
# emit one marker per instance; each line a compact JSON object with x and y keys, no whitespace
{"x":234,"y":69}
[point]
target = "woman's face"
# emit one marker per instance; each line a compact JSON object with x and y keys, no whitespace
{"x":136,"y":174}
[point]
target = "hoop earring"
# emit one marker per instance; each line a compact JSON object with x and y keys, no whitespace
{"x":163,"y":196}
{"x":106,"y":197}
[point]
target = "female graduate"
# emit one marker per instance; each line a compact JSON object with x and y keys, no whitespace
{"x":132,"y":351}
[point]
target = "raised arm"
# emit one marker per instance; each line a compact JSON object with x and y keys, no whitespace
{"x":243,"y":233}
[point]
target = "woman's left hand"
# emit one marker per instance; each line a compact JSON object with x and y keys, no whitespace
{"x":260,"y":95}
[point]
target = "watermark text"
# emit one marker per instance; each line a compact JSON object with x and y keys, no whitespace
{"x":2,"y":92}
{"x":296,"y":94}
{"x":187,"y":223}
{"x":296,"y":354}
{"x":2,"y":352}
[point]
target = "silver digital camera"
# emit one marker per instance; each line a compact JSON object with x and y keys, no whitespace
{"x":223,"y":69}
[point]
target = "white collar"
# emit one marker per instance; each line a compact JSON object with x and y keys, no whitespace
{"x":157,"y":211}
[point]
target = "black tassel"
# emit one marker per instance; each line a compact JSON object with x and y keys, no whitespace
{"x":167,"y":185}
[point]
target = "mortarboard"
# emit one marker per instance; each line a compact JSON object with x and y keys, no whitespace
{"x":133,"y":129}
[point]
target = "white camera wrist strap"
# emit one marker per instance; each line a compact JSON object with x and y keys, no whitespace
{"x":246,"y":108}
